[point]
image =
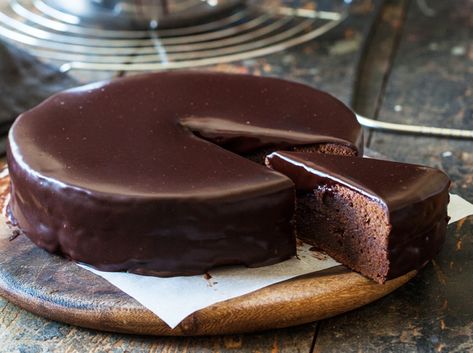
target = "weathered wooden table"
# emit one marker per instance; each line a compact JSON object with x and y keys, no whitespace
{"x":415,"y":65}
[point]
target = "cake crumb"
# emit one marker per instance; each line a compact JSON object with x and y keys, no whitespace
{"x":207,"y":276}
{"x":15,"y":234}
{"x":319,"y":256}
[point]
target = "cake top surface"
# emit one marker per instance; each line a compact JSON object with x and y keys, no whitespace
{"x":175,"y":133}
{"x":394,"y":184}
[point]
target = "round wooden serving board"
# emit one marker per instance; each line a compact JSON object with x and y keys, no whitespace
{"x":57,"y":289}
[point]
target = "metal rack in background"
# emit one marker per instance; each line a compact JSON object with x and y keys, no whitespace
{"x":247,"y":32}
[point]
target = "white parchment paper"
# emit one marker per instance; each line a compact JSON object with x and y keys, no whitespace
{"x":173,"y":299}
{"x":458,"y":208}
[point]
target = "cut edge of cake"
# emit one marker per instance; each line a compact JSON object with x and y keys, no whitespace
{"x":358,"y":228}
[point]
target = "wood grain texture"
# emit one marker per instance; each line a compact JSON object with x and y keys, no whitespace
{"x":23,"y":332}
{"x":430,"y":83}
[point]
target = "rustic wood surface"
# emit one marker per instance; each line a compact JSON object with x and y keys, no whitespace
{"x":422,"y":73}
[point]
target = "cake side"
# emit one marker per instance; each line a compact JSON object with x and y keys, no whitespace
{"x":346,"y":225}
{"x":259,"y":156}
{"x":151,"y":235}
{"x":418,"y":234}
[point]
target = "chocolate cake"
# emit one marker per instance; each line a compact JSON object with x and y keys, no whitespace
{"x":380,"y":218}
{"x":151,"y":174}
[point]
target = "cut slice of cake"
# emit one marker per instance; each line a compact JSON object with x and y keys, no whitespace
{"x":380,"y":218}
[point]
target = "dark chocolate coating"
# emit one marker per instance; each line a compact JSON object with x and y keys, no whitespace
{"x":415,"y":198}
{"x":145,"y":173}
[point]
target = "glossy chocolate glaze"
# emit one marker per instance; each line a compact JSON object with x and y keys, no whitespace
{"x":414,"y":197}
{"x":145,"y":173}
